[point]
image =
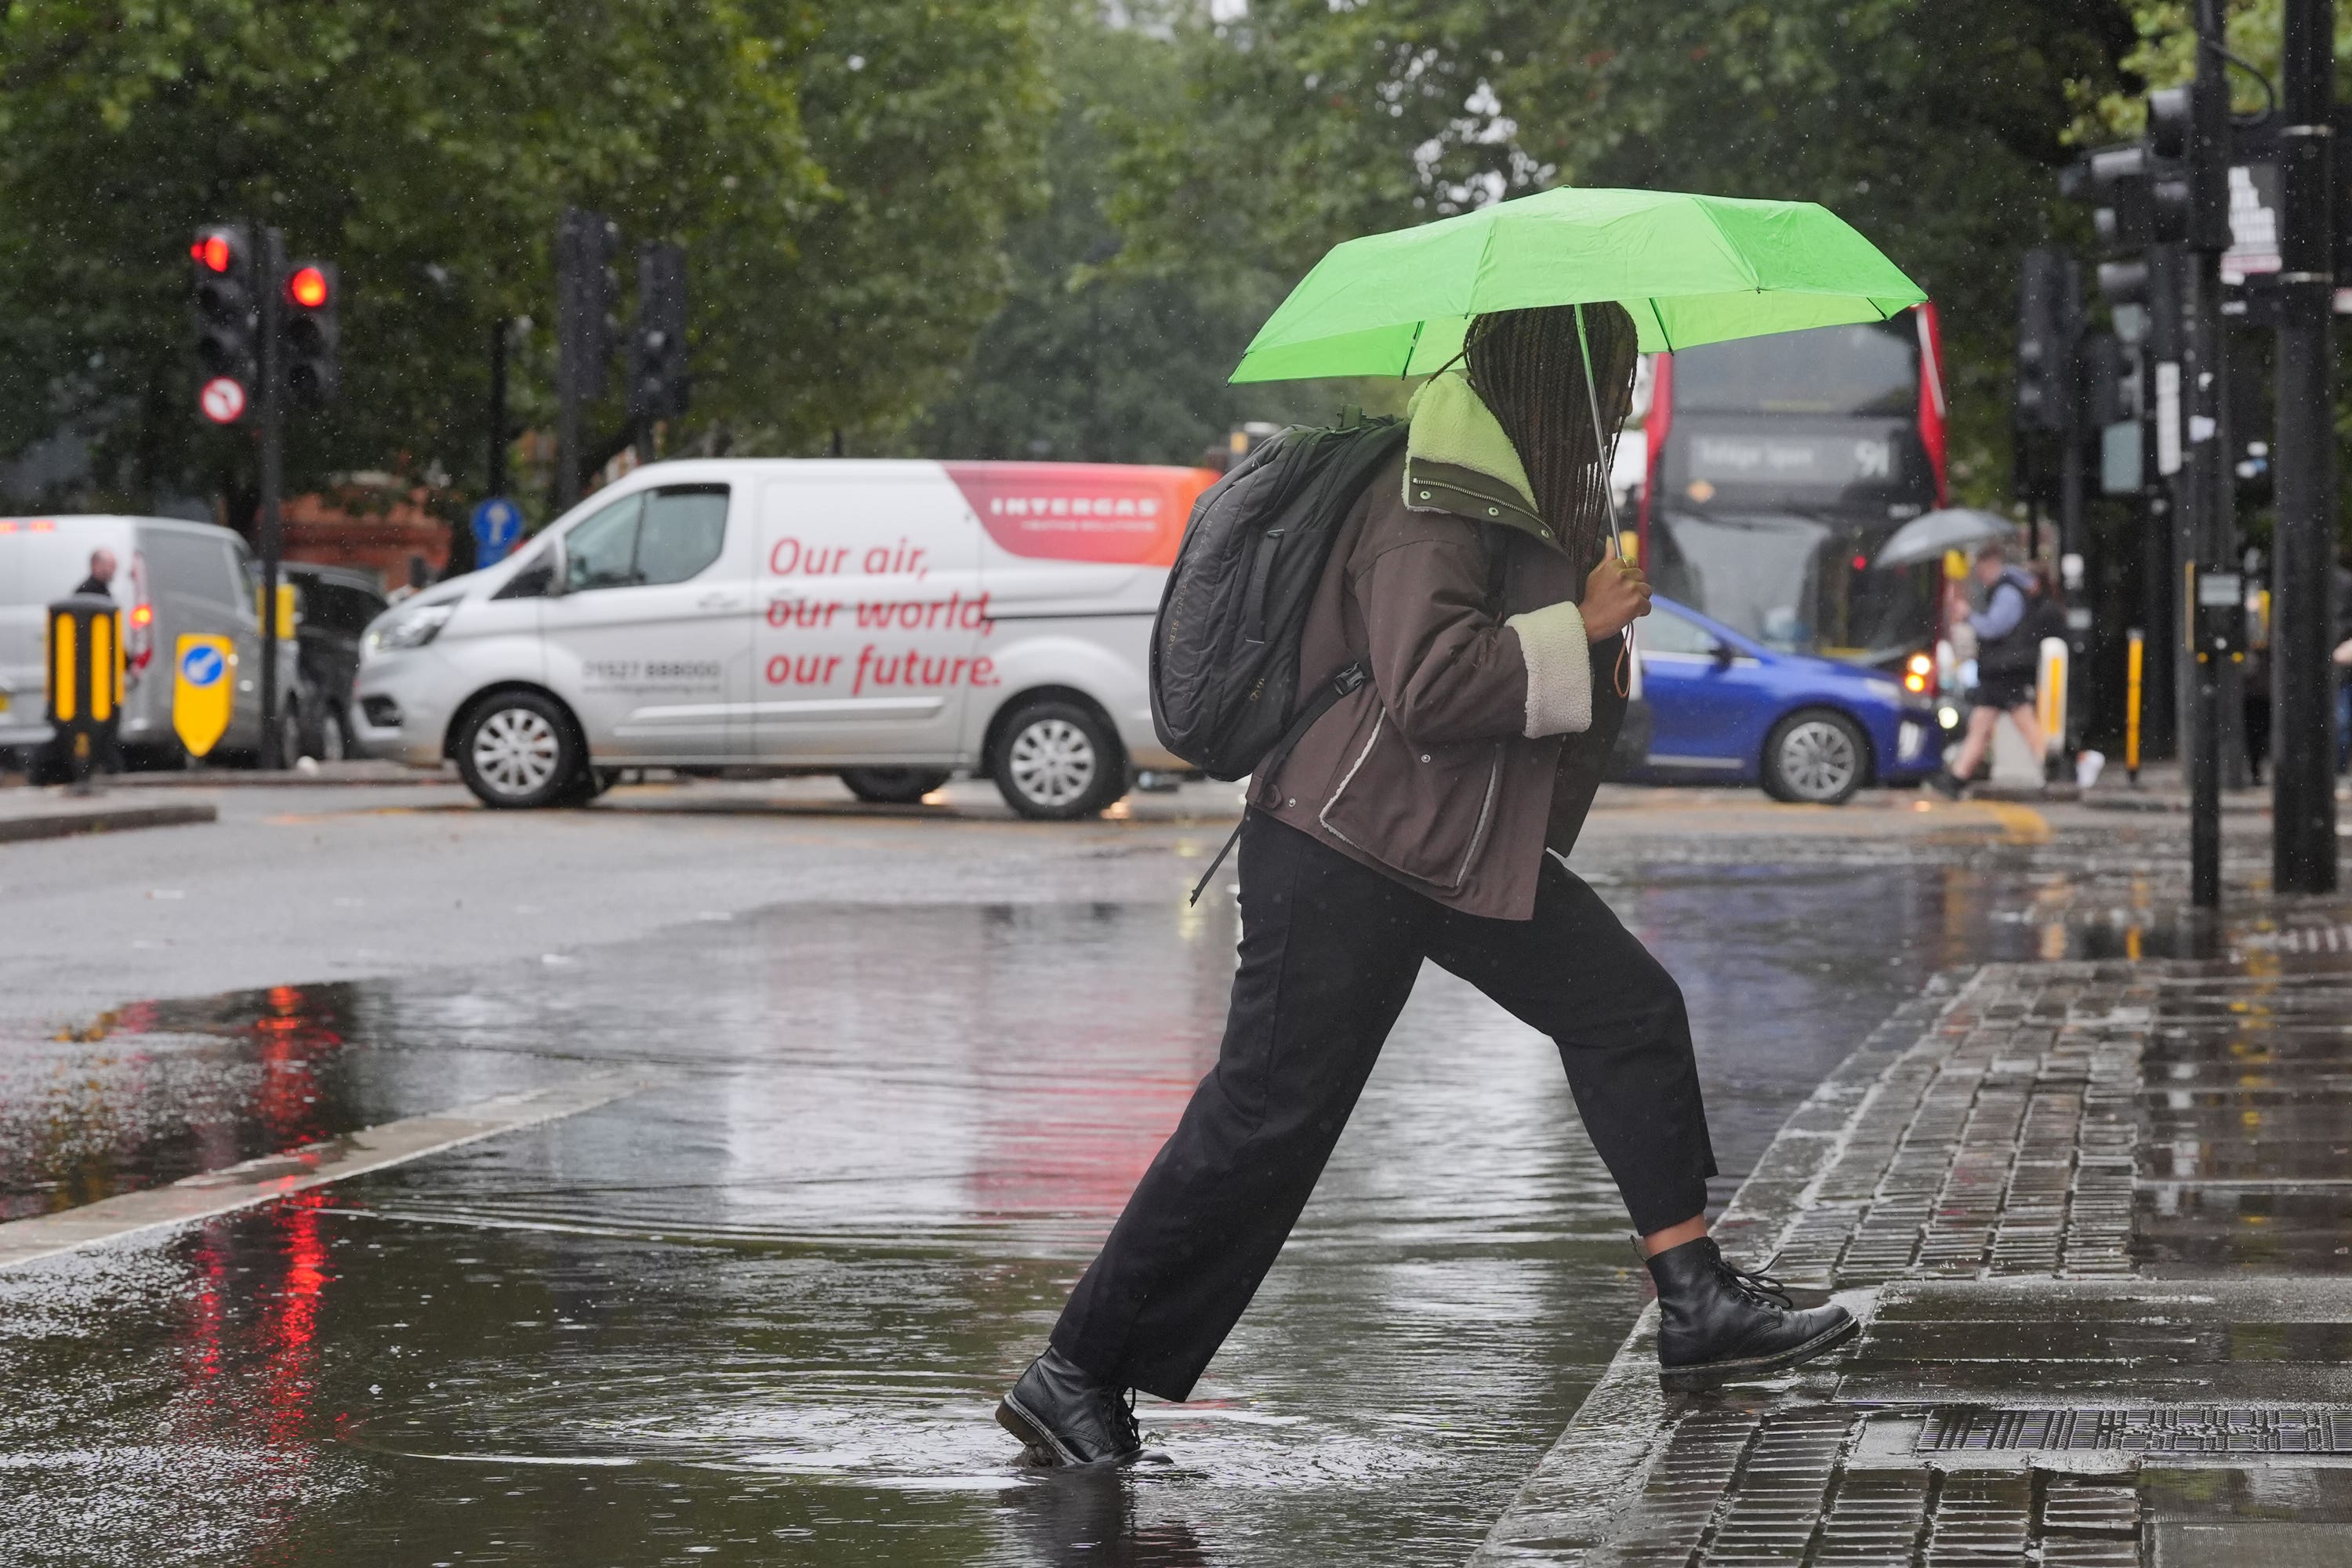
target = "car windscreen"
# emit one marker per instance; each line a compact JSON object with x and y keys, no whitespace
{"x":1796,"y":584}
{"x":1872,"y":369}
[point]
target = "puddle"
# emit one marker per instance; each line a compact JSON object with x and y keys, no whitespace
{"x":761,"y":1312}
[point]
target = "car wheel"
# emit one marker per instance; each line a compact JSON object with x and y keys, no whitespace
{"x":893,"y":786}
{"x":1059,"y":762}
{"x":289,"y":735}
{"x":518,"y":751}
{"x":1816,"y":756}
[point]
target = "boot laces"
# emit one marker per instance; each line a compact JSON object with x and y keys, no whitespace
{"x":1758,"y":1284}
{"x":1119,"y":1412}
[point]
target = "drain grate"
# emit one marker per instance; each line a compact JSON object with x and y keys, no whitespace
{"x":2162,"y":1429}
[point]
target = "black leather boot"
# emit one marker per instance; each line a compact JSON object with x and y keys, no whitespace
{"x":1716,"y":1322}
{"x":1064,"y":1417}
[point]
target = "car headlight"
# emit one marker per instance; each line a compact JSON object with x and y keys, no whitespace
{"x":413,"y":629}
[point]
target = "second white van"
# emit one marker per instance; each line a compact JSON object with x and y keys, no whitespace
{"x":893,"y":622}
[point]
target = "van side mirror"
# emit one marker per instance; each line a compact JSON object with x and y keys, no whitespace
{"x":558,"y":570}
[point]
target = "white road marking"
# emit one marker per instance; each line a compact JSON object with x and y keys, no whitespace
{"x":274,"y":1177}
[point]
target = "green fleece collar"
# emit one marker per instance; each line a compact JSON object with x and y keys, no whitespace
{"x":1459,"y":459}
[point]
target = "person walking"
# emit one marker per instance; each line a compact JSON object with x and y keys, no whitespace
{"x":2009,"y":654}
{"x":1427,"y":817}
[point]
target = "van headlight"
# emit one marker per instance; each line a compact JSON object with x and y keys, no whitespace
{"x":413,"y":629}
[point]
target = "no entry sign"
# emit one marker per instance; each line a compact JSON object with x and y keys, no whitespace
{"x":222,"y":399}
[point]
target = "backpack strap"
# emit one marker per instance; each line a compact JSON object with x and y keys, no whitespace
{"x":1350,"y":678}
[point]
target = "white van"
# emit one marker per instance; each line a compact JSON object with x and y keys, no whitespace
{"x":171,"y":576}
{"x":892,"y":622}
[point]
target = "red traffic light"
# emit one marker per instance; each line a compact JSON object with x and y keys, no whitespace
{"x":308,"y":288}
{"x":213,"y":252}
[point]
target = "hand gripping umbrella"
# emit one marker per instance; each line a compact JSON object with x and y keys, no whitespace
{"x":1690,"y":269}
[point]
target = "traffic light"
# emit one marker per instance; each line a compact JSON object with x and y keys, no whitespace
{"x":2189,"y":138}
{"x":586,"y":243}
{"x":657,"y":373}
{"x":2119,"y":180}
{"x":2110,"y":391}
{"x":314,"y":291}
{"x":221,"y":278}
{"x":2047,"y":309}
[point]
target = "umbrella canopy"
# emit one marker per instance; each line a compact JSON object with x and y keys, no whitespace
{"x":1691,"y":269}
{"x":1928,"y":535}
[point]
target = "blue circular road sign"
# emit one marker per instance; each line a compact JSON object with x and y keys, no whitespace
{"x":203,"y":665}
{"x":497,"y":524}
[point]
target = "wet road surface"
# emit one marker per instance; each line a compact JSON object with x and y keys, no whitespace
{"x":759,"y":1311}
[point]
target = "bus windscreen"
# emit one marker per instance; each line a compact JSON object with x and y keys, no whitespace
{"x":1872,"y":369}
{"x":1797,"y":584}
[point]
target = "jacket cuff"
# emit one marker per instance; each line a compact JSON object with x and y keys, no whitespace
{"x":1559,"y":670}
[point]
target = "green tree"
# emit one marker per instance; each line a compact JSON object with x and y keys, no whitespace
{"x":841,"y":173}
{"x":1089,"y":361}
{"x":1937,"y":130}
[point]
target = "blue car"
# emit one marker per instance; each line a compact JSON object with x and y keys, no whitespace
{"x":1724,"y":707}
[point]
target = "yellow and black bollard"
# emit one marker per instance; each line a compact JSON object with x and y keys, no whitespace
{"x":84,"y":683}
{"x":2135,"y":659}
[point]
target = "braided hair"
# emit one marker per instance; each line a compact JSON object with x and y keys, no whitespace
{"x":1527,"y":367}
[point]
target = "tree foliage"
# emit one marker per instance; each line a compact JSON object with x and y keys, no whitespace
{"x":1937,"y":130}
{"x":1092,"y":362}
{"x":842,"y":172}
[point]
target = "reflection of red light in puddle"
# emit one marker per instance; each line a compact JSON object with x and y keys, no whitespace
{"x":293,"y":1322}
{"x":291,"y":1043}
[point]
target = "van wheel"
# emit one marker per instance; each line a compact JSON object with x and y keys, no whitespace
{"x":893,"y":786}
{"x":1815,"y":756}
{"x":518,"y":752}
{"x":1059,"y":762}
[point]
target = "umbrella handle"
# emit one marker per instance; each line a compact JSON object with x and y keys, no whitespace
{"x":1625,"y":673}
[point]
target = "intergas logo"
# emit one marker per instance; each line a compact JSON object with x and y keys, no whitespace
{"x":1112,"y":513}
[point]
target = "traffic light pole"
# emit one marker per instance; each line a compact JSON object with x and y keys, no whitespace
{"x":2201,"y":370}
{"x":2302,"y":800}
{"x":2162,"y":555}
{"x":2203,"y":373}
{"x":270,"y":262}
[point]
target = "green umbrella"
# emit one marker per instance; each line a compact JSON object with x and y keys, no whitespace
{"x":1692,"y":270}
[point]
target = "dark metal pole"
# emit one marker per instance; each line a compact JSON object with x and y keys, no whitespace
{"x":2160,"y":556}
{"x":2202,"y":371}
{"x":2303,"y":798}
{"x":272,"y":267}
{"x":572,"y":260}
{"x":495,"y":470}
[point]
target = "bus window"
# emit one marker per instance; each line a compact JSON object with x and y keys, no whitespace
{"x":1796,"y":584}
{"x":1872,"y":369}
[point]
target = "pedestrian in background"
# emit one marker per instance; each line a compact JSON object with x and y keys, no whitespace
{"x":100,"y":581}
{"x":2009,"y":631}
{"x":1427,"y":817}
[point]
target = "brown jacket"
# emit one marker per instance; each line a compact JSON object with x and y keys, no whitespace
{"x":1480,"y":738}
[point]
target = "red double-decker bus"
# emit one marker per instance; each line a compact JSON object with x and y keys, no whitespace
{"x":1776,"y":469}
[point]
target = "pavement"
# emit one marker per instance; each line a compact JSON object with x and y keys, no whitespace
{"x":2096,"y":1219}
{"x":678,"y":1179}
{"x":29,"y":813}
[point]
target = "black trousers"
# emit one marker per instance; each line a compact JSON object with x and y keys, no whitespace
{"x":1329,"y":951}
